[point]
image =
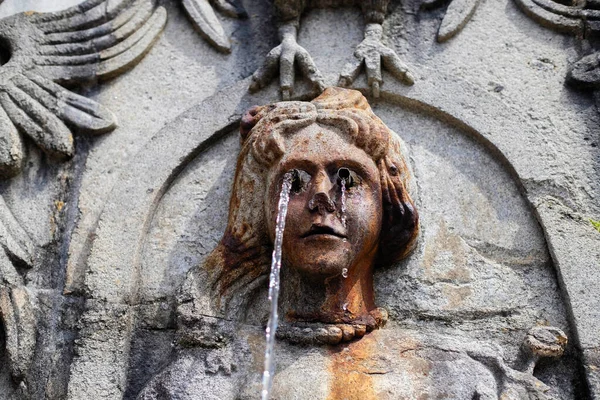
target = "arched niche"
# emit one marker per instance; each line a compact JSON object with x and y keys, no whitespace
{"x":480,"y":235}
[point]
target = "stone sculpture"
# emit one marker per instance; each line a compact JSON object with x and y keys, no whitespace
{"x":580,"y":18}
{"x":93,"y":249}
{"x":371,"y":53}
{"x":329,"y":252}
{"x":97,"y":39}
{"x":334,"y":147}
{"x":207,"y":23}
{"x":40,"y":53}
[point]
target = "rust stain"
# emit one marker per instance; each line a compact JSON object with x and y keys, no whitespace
{"x":354,"y":366}
{"x":349,"y":371}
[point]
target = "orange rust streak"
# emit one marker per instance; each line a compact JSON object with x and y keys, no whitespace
{"x":349,"y":371}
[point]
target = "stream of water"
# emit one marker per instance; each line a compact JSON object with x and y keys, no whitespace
{"x":269,"y":371}
{"x":343,"y":201}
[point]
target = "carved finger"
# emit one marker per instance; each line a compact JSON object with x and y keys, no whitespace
{"x":310,"y":70}
{"x":8,"y":273}
{"x":286,"y":72}
{"x":267,"y":71}
{"x":93,"y":32}
{"x":350,"y":71}
{"x":394,"y":65}
{"x":19,"y":324}
{"x":459,"y":12}
{"x":373,"y":69}
{"x":230,"y":8}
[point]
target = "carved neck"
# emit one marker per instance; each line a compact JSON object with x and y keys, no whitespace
{"x":333,"y":300}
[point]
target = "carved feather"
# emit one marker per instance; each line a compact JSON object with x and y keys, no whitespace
{"x":11,"y":146}
{"x":207,"y":23}
{"x":554,"y":16}
{"x":459,"y":12}
{"x":14,"y":240}
{"x":18,"y":320}
{"x":84,"y":46}
{"x":97,"y":39}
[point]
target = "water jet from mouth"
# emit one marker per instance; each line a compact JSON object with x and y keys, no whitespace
{"x":282,"y":206}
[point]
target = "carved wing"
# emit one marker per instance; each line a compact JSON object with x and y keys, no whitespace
{"x":98,"y":39}
{"x":582,"y":19}
{"x":207,"y":23}
{"x":17,"y":246}
{"x":459,"y":12}
{"x":560,"y":17}
{"x":19,"y":323}
{"x":16,"y":310}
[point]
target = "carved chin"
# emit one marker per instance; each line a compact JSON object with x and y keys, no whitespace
{"x":321,"y":267}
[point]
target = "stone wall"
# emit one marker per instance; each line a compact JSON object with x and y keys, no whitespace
{"x":505,"y":157}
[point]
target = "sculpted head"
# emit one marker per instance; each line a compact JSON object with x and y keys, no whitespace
{"x":331,"y":244}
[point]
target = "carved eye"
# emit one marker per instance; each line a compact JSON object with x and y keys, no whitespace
{"x":346,"y":176}
{"x":300,"y":180}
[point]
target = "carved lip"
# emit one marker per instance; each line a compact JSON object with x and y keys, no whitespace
{"x":319,"y":229}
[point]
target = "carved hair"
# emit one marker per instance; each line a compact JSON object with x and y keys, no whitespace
{"x":244,"y":253}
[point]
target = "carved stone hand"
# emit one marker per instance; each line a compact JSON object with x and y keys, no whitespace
{"x":283,"y":58}
{"x":371,"y":51}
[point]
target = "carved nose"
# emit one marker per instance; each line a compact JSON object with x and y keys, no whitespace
{"x":322,"y":203}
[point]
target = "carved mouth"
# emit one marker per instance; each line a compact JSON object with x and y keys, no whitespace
{"x":323,"y":230}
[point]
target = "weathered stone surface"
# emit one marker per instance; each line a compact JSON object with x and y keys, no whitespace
{"x":505,"y":156}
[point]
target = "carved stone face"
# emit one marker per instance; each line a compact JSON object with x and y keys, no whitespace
{"x":317,"y":242}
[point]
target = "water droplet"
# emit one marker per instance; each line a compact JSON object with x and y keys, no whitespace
{"x":345,"y":272}
{"x":345,"y":307}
